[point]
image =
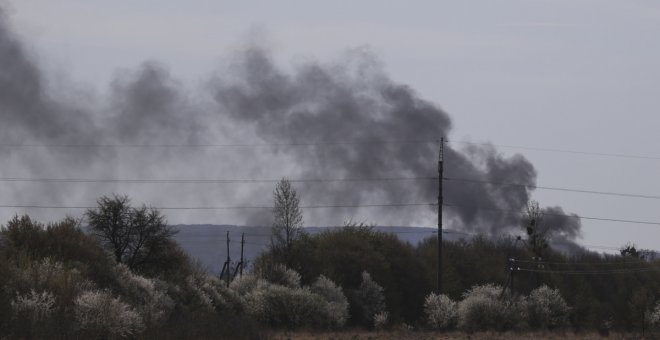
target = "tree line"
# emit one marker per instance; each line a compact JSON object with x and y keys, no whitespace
{"x":124,"y":276}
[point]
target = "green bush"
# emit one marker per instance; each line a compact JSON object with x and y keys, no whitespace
{"x":342,"y":254}
{"x":369,"y":300}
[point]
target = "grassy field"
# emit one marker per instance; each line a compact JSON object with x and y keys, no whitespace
{"x":427,"y":335}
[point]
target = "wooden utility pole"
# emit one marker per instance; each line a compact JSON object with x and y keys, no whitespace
{"x":228,"y":259}
{"x":242,"y":244}
{"x":225,"y":267}
{"x":440,"y":172}
{"x":239,"y":267}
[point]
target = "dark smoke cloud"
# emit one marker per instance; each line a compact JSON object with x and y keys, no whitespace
{"x":357,"y":102}
{"x":26,"y":110}
{"x":151,"y":106}
{"x":561,"y":225}
{"x":255,"y":101}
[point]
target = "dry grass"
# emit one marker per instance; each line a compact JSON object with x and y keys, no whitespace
{"x":428,"y":335}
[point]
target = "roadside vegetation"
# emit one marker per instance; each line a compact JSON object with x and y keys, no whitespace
{"x":123,"y":276}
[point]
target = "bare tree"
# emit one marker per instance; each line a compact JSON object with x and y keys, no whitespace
{"x":133,"y":235}
{"x":288,"y":220}
{"x":537,"y":231}
{"x":630,"y":250}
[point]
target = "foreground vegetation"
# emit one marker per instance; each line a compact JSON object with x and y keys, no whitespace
{"x":605,"y":292}
{"x":126,"y":278}
{"x":406,"y":334}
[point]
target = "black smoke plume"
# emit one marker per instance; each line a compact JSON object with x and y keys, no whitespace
{"x":342,"y":120}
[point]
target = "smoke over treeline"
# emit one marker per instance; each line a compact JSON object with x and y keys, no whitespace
{"x":352,"y":119}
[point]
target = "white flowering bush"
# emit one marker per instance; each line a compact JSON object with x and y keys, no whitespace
{"x":280,"y":274}
{"x":441,"y":312}
{"x":211,"y":293}
{"x":151,"y":301}
{"x":247,"y":283}
{"x":40,"y":273}
{"x":250,"y":288}
{"x":49,"y":275}
{"x":321,"y":305}
{"x":369,"y":298}
{"x":381,"y":320}
{"x":293,"y":308}
{"x":337,"y":304}
{"x":483,"y":309}
{"x":545,"y":308}
{"x":98,"y":314}
{"x":37,"y":275}
{"x":654,"y":316}
{"x":33,"y":306}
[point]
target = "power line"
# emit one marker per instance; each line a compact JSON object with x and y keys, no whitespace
{"x":447,"y":231}
{"x":588,"y":272}
{"x":576,"y":152}
{"x":209,"y":181}
{"x":380,"y":230}
{"x":580,"y":263}
{"x":314,"y":180}
{"x":228,"y":145}
{"x":595,"y":192}
{"x":561,"y":215}
{"x":230,"y":207}
{"x":327,"y":143}
{"x":339,"y":206}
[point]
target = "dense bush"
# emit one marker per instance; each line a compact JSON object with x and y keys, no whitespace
{"x":597,"y":301}
{"x":210,"y":293}
{"x":48,"y":272}
{"x":32,"y":313}
{"x":37,"y":282}
{"x":441,"y":311}
{"x":321,"y":305}
{"x":337,"y":304}
{"x":343,"y":253}
{"x":35,"y":307}
{"x":654,"y":316}
{"x":25,"y":240}
{"x":101,"y":315}
{"x":278,"y":273}
{"x":57,"y":282}
{"x":284,"y":307}
{"x":247,"y":284}
{"x":148,"y":295}
{"x":381,"y":320}
{"x":546,"y":309}
{"x":483,"y":309}
{"x":369,"y":299}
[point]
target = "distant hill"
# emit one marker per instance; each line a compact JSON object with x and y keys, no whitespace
{"x":207,"y":243}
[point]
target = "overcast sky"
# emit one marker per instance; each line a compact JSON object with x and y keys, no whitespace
{"x":578,"y":75}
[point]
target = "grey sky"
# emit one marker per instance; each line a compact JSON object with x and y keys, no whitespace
{"x":564,"y":74}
